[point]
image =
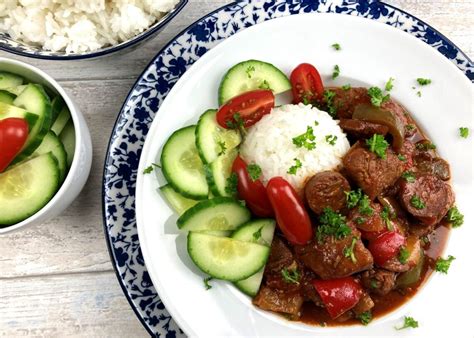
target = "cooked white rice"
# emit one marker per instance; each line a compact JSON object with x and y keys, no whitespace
{"x":78,"y":26}
{"x":269,"y":143}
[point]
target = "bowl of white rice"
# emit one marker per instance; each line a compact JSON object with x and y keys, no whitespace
{"x":70,"y":29}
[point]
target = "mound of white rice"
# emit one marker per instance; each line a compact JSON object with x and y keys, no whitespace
{"x":78,"y":26}
{"x":269,"y":143}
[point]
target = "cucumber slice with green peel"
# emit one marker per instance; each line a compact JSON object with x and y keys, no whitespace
{"x":182,"y":166}
{"x":6,"y":97}
{"x":218,"y":233}
{"x":16,"y":90}
{"x":259,"y":231}
{"x":35,"y":100}
{"x":226,"y":258}
{"x":251,"y":75}
{"x":178,"y":202}
{"x":219,"y":213}
{"x":8,"y":80}
{"x":62,"y":119}
{"x":68,"y":139}
{"x":27,"y":187}
{"x":213,"y":140}
{"x":219,"y":171}
{"x":7,"y":111}
{"x":52,"y":144}
{"x":57,"y":105}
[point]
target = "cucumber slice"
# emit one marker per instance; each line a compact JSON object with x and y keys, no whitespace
{"x":218,"y":233}
{"x":8,"y":80}
{"x":219,"y":213}
{"x":182,"y":166}
{"x":63,"y":118}
{"x":226,"y":258}
{"x":57,"y":105}
{"x":35,"y":100}
{"x":27,"y":187}
{"x":6,"y":97}
{"x":7,"y":111}
{"x":51,"y":143}
{"x":259,"y":231}
{"x":250,"y":75}
{"x":68,"y":139}
{"x":219,"y":171}
{"x":179,"y":203}
{"x":16,"y":90}
{"x":211,"y":139}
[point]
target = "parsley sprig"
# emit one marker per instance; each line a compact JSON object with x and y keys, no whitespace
{"x":365,"y":317}
{"x":349,"y":250}
{"x":336,"y":72}
{"x":306,"y":140}
{"x":329,"y":99}
{"x":150,"y":168}
{"x":294,"y":168}
{"x":206,"y":282}
{"x":291,"y":275}
{"x":386,"y":217}
{"x":423,"y":82}
{"x":378,"y":145}
{"x":353,"y":197}
{"x":408,"y":322}
{"x":409,"y":176}
{"x":222,"y":148}
{"x":332,"y":224}
{"x":442,"y":265}
{"x":331,"y":139}
{"x":417,"y":202}
{"x":403,"y":255}
{"x":455,"y":217}
{"x":464,"y":132}
{"x":377,"y":96}
{"x":254,"y":171}
{"x":231,"y":184}
{"x":336,"y":46}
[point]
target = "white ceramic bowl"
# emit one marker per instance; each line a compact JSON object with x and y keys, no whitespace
{"x":81,"y":164}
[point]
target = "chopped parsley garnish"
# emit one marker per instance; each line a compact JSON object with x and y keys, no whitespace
{"x":389,"y":84}
{"x":316,"y":123}
{"x":353,"y":197}
{"x":365,"y":317}
{"x":423,"y":82}
{"x":332,"y":224}
{"x":346,"y":86}
{"x":336,"y":46}
{"x":254,"y":171}
{"x":410,"y":127}
{"x":222,"y":147}
{"x":258,"y":234}
{"x":425,"y":239}
{"x":336,"y":72}
{"x":329,"y":98}
{"x":294,"y":168}
{"x":408,"y":322}
{"x":417,"y":202}
{"x":425,"y":146}
{"x":403,"y":255}
{"x":264,"y":85}
{"x":418,"y":93}
{"x":442,"y":265}
{"x":306,"y":139}
{"x":249,"y":71}
{"x":349,"y":250}
{"x":408,"y":176}
{"x":377,"y":96}
{"x":150,"y":168}
{"x":291,"y":275}
{"x":360,"y":220}
{"x":231,"y":184}
{"x":464,"y":132}
{"x":386,"y":215}
{"x":364,"y":206}
{"x":237,"y":123}
{"x":455,"y":217}
{"x":206,"y":282}
{"x":377,"y":145}
{"x":373,"y":284}
{"x":402,"y":157}
{"x":331,"y":139}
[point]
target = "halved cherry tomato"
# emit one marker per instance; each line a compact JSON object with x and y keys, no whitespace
{"x":249,"y":106}
{"x":386,"y":246}
{"x":13,"y":135}
{"x":253,"y":192}
{"x":338,"y":295}
{"x":291,"y":215}
{"x":307,"y":84}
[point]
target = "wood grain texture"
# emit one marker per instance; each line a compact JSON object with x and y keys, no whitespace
{"x":56,"y":279}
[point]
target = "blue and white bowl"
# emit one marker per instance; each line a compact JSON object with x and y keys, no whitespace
{"x":20,"y":48}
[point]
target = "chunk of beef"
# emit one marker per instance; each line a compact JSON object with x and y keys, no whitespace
{"x":308,"y":291}
{"x":279,"y":301}
{"x":326,"y":189}
{"x":378,"y":281}
{"x":428,"y":198}
{"x":345,"y":100}
{"x":327,"y":258}
{"x":413,"y":246}
{"x":362,"y":129}
{"x":367,"y":222}
{"x":365,"y":304}
{"x":372,"y":173}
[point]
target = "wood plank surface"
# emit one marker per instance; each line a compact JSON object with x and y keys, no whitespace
{"x":56,"y":279}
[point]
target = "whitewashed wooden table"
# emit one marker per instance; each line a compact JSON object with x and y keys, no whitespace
{"x":56,"y":279}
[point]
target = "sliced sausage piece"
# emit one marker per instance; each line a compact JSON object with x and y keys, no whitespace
{"x":362,"y":129}
{"x":415,"y":253}
{"x":327,"y":259}
{"x":326,"y":189}
{"x":278,"y":301}
{"x":428,"y":198}
{"x":426,"y":164}
{"x":378,"y":281}
{"x":372,"y":173}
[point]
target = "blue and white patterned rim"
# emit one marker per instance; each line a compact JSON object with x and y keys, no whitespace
{"x":151,"y":89}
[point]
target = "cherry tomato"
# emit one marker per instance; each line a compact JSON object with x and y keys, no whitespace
{"x":249,"y":106}
{"x":253,"y":192}
{"x":291,"y":215}
{"x":13,"y":135}
{"x":307,"y":84}
{"x":338,"y":295}
{"x":386,"y":246}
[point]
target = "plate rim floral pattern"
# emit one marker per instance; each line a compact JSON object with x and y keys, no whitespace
{"x":169,"y":328}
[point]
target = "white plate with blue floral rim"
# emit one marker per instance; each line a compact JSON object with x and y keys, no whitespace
{"x":146,"y":98}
